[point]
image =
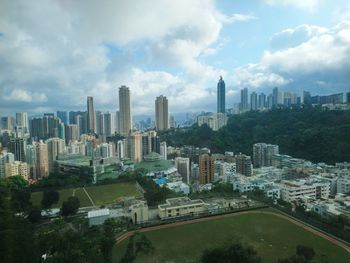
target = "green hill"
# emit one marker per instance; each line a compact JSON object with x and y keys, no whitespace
{"x":311,"y":133}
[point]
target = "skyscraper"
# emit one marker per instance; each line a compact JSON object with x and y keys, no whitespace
{"x":262,"y":101}
{"x":254,"y":101}
{"x":90,"y":114}
{"x":22,"y":120}
{"x":162,"y":119}
{"x":262,"y":154}
{"x":18,"y":148}
{"x":125,"y":118}
{"x":275,"y":96}
{"x":244,"y":99}
{"x":221,"y":96}
{"x":55,"y":146}
{"x":63,"y":116}
{"x":42,"y":165}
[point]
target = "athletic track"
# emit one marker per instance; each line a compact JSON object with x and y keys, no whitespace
{"x":296,"y":222}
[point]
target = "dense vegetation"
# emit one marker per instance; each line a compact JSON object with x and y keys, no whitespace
{"x":314,"y":134}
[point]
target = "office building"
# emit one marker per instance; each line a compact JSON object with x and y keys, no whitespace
{"x":90,"y":115}
{"x":62,"y":115}
{"x":206,"y":169}
{"x":162,"y":115}
{"x":221,"y":96}
{"x":244,"y":164}
{"x":125,"y":116}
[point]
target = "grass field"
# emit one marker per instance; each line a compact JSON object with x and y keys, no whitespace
{"x":272,"y":237}
{"x":100,"y":194}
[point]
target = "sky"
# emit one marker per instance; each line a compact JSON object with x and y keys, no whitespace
{"x":53,"y":54}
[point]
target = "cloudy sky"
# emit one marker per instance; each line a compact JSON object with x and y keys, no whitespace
{"x":55,"y":53}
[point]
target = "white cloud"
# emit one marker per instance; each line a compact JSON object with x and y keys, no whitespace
{"x":292,"y":37}
{"x":64,"y":50}
{"x":323,"y":57}
{"x":25,"y":96}
{"x":309,"y":5}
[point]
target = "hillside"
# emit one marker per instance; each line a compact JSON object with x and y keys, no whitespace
{"x":310,"y":133}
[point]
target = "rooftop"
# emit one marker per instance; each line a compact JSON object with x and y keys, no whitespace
{"x":97,"y":213}
{"x":180,"y":201}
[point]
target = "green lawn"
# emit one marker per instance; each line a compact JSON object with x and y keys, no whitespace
{"x":100,"y":194}
{"x":106,"y":194}
{"x":272,"y":237}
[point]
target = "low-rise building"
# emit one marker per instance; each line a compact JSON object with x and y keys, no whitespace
{"x":180,"y":206}
{"x":300,"y":189}
{"x":98,"y":217}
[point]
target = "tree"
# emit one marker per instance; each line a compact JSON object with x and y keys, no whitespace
{"x":71,"y":206}
{"x":138,"y":244}
{"x":231,"y":252}
{"x":34,"y":214}
{"x":304,"y":254}
{"x":20,"y":199}
{"x":307,"y":252}
{"x":50,"y":197}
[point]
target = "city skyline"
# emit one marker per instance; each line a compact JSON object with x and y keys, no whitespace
{"x":181,"y":59}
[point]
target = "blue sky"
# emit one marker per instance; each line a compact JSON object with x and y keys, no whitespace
{"x":53,"y":54}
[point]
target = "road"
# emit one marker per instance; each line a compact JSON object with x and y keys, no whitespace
{"x":296,"y":222}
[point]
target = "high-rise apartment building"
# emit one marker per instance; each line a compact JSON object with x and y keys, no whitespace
{"x":22,"y":121}
{"x":206,"y":169}
{"x":221,"y":96}
{"x":18,"y":148}
{"x":135,"y":147}
{"x":183,"y":167}
{"x":55,"y":146}
{"x":244,"y":99}
{"x":71,"y":132}
{"x":262,"y":101}
{"x":125,"y":117}
{"x":162,"y":114}
{"x":254,"y":101}
{"x":275,"y":97}
{"x":244,"y":164}
{"x":42,"y":165}
{"x":90,"y":114}
{"x":262,"y":154}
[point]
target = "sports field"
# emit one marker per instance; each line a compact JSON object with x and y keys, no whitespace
{"x":273,"y":237}
{"x":100,"y":194}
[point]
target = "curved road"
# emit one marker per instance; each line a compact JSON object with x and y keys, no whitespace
{"x":296,"y":222}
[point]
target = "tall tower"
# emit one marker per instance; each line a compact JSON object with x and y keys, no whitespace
{"x":244,"y":99}
{"x":254,"y":101}
{"x":275,"y":96}
{"x":125,"y":118}
{"x":42,"y":162}
{"x":55,"y":146}
{"x":91,"y":114}
{"x":162,"y":119}
{"x":22,"y":120}
{"x":221,"y":96}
